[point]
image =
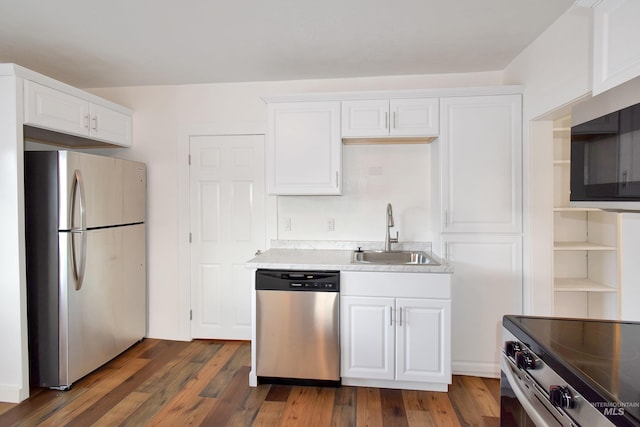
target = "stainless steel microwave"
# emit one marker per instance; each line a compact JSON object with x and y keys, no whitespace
{"x":605,"y":161}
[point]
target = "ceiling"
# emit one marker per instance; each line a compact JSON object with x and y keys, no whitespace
{"x":161,"y":42}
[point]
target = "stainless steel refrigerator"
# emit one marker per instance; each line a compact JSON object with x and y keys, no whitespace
{"x":86,"y":262}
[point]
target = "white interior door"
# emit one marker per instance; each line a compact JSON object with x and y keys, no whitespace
{"x":227,"y":202}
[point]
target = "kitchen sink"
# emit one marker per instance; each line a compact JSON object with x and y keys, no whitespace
{"x":393,"y":257}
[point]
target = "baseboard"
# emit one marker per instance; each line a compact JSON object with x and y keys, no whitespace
{"x":475,"y":369}
{"x":11,"y":394}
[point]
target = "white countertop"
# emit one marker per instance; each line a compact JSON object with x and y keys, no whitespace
{"x":299,"y":256}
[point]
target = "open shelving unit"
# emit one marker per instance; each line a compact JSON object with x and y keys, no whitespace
{"x":585,"y":247}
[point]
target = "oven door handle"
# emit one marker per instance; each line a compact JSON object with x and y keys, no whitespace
{"x":539,"y":415}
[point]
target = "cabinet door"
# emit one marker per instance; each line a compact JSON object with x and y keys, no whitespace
{"x":481,"y":164}
{"x":365,"y":118}
{"x":423,"y":340}
{"x":304,"y":148}
{"x":414,"y":117}
{"x":54,"y":110}
{"x":486,"y":285}
{"x":109,"y":125}
{"x":616,"y":55}
{"x":367,"y":337}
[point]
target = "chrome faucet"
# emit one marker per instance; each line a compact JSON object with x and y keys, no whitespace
{"x":388,"y":240}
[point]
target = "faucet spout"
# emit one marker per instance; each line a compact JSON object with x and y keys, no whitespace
{"x":389,"y":215}
{"x":388,"y":240}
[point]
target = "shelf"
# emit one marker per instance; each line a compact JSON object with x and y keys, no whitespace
{"x":581,"y":246}
{"x":562,"y":132}
{"x":580,"y":285}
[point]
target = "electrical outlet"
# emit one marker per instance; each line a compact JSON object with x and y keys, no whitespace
{"x":331,"y":224}
{"x":286,"y":224}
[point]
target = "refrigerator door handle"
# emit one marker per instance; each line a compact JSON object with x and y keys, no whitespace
{"x":78,"y":193}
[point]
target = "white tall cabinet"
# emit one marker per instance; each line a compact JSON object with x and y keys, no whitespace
{"x":480,"y":211}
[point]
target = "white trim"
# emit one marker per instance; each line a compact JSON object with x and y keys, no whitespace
{"x":476,"y":369}
{"x":11,"y":394}
{"x":402,"y":94}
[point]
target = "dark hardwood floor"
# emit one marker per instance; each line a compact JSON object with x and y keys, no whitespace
{"x":205,"y":383}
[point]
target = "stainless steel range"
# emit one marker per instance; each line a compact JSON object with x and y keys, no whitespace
{"x":569,"y":372}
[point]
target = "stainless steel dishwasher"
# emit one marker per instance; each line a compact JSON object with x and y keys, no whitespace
{"x":297,"y":326}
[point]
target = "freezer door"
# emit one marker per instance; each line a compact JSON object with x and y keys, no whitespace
{"x":107,"y":191}
{"x":107,"y":314}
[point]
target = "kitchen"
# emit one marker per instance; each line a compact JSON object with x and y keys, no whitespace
{"x":555,"y":70}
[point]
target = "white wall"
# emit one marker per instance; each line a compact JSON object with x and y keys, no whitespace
{"x":556,"y":71}
{"x":373,"y":175}
{"x":164,"y":116}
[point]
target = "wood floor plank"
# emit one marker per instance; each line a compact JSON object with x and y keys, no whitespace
{"x":484,"y":401}
{"x":135,"y":352}
{"x":393,"y":412}
{"x":247,"y":411}
{"x":441,"y":409}
{"x":309,"y":406}
{"x":236,"y":391}
{"x":416,"y":408}
{"x":241,"y":359}
{"x":278,"y":393}
{"x":188,"y":411}
{"x":369,"y":413}
{"x":420,"y":419}
{"x":472,"y":401}
{"x":123,"y":410}
{"x":4,"y":407}
{"x":270,"y":414}
{"x":344,"y":407}
{"x":493,"y":385}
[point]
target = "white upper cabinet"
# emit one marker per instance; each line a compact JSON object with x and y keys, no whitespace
{"x":481,"y":164}
{"x":395,"y":117}
{"x":58,"y":111}
{"x":304,"y":149}
{"x":616,"y":56}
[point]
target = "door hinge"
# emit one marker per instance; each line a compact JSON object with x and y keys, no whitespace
{"x":189,"y":159}
{"x":190,"y":237}
{"x":190,"y":314}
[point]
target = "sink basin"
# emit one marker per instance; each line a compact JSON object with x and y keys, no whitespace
{"x":393,"y":257}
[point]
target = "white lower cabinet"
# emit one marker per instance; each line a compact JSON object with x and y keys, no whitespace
{"x":395,"y":342}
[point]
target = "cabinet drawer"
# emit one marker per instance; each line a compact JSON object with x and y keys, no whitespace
{"x":392,"y":284}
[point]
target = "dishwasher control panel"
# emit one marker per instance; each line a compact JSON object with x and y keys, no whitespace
{"x":290,"y":280}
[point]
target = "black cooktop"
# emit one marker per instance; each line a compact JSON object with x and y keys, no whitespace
{"x":599,"y":358}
